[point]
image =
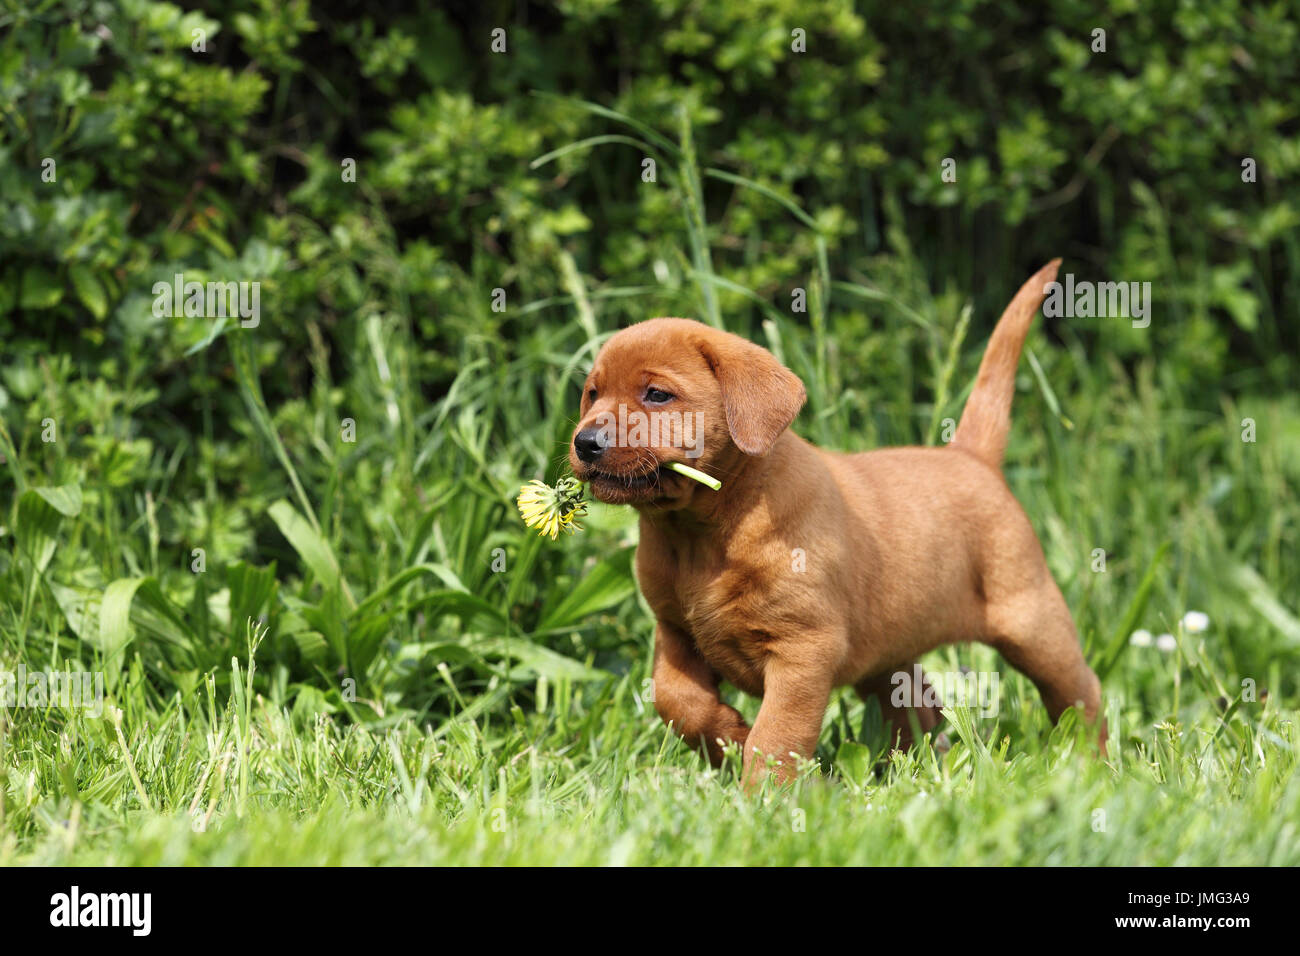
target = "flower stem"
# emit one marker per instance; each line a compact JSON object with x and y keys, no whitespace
{"x":699,"y":476}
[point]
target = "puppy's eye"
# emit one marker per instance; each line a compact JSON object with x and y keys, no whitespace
{"x":591,"y":395}
{"x":657,"y":396}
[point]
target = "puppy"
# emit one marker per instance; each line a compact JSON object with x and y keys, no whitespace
{"x":813,"y":569}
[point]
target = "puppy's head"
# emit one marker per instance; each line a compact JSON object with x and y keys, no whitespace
{"x":675,"y":390}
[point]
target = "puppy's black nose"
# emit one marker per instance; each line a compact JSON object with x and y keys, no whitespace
{"x":589,"y":444}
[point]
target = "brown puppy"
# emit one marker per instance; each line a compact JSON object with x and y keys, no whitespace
{"x":814,"y":569}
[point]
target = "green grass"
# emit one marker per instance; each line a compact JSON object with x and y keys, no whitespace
{"x":378,"y":664}
{"x":597,"y":782}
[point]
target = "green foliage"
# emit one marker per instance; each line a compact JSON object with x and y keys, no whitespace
{"x":176,"y":492}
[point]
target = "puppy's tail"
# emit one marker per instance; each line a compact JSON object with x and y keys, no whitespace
{"x":986,"y":419}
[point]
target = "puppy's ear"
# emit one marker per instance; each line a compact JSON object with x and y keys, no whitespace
{"x":761,"y":396}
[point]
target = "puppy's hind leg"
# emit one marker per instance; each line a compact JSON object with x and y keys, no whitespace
{"x":908,"y":709}
{"x":1033,"y":630}
{"x":686,"y":695}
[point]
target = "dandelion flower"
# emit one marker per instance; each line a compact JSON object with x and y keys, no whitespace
{"x":1196,"y":622}
{"x":1167,"y":643}
{"x":552,"y":510}
{"x":1140,"y":638}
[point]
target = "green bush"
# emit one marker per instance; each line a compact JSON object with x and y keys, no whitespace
{"x":776,"y":170}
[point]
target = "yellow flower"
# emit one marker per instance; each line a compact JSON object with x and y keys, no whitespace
{"x":552,"y":510}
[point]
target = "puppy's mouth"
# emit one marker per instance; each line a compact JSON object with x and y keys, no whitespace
{"x":631,"y":488}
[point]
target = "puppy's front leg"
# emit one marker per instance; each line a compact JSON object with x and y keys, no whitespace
{"x":686,"y":694}
{"x":789,"y":722}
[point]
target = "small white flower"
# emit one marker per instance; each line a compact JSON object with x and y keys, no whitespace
{"x":1167,"y":643}
{"x":1196,"y":622}
{"x":1140,"y":638}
